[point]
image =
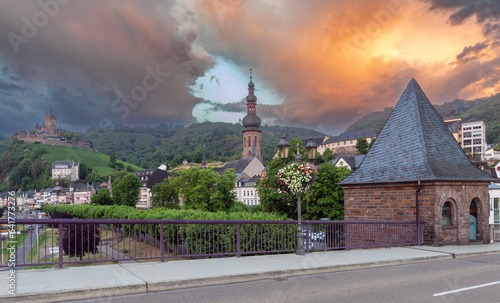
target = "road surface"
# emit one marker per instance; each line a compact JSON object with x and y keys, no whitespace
{"x":458,"y":280}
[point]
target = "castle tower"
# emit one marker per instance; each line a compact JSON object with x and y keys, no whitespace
{"x":251,"y":122}
{"x":50,"y":121}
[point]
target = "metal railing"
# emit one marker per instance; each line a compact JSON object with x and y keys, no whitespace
{"x":65,"y":241}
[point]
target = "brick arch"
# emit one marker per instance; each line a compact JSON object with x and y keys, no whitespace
{"x":482,"y":219}
{"x":454,"y":210}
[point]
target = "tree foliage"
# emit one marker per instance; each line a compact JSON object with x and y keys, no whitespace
{"x":165,"y":195}
{"x":77,"y":239}
{"x":206,"y":189}
{"x":126,"y":190}
{"x":362,"y":146}
{"x":103,"y":197}
{"x":324,"y":199}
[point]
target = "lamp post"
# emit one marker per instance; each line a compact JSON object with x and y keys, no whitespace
{"x":284,"y":148}
{"x":311,"y":148}
{"x":300,"y":236}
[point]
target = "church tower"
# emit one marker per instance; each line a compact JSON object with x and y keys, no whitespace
{"x":251,"y":122}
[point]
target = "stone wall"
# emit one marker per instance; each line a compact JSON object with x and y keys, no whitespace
{"x":397,"y":201}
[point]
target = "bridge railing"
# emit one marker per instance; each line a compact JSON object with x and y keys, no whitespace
{"x":63,"y":241}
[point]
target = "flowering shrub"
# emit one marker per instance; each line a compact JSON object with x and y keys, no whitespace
{"x":297,"y":178}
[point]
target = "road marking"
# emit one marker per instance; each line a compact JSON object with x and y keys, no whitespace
{"x":466,"y":288}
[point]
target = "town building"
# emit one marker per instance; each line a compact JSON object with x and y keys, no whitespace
{"x":80,"y":193}
{"x":494,"y":189}
{"x":149,"y":177}
{"x":350,"y":162}
{"x":470,"y":135}
{"x":66,"y":170}
{"x":345,"y":143}
{"x":419,"y":173}
{"x":246,"y":189}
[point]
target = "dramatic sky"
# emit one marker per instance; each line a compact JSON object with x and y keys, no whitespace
{"x":321,"y":64}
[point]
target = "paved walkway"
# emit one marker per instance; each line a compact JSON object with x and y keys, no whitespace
{"x":75,"y":283}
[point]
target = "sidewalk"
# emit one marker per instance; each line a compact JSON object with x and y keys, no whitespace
{"x":75,"y":283}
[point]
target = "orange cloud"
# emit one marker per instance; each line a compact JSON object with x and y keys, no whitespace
{"x":336,"y":60}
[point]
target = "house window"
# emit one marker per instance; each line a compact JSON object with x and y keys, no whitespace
{"x":496,"y":210}
{"x":446,"y":214}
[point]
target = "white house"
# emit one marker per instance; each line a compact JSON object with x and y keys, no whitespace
{"x":494,"y":189}
{"x":66,"y":170}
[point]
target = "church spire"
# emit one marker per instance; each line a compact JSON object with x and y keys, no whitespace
{"x":251,"y":122}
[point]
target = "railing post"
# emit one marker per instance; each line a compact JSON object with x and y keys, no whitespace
{"x":307,"y":237}
{"x":385,"y":234}
{"x":346,"y":235}
{"x":61,"y":245}
{"x":162,"y":244}
{"x":238,"y":250}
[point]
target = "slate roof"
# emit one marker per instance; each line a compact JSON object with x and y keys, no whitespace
{"x":237,"y":165}
{"x":453,"y":126}
{"x":415,"y":145}
{"x":494,"y":186}
{"x":68,"y":164}
{"x":317,"y":140}
{"x":354,"y":135}
{"x":331,"y":139}
{"x":353,"y":161}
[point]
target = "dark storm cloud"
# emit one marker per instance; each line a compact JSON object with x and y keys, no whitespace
{"x":126,"y":61}
{"x":471,"y":52}
{"x":483,"y":10}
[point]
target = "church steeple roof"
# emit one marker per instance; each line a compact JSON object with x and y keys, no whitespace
{"x":251,"y":120}
{"x":415,"y":145}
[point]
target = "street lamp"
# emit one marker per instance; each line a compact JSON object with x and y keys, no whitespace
{"x":284,"y":148}
{"x":311,"y":148}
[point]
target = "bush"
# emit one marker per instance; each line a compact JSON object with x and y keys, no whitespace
{"x":194,"y":236}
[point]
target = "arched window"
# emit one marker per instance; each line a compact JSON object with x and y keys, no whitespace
{"x":447,"y":214}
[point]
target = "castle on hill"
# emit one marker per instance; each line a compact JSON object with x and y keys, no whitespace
{"x":48,"y":133}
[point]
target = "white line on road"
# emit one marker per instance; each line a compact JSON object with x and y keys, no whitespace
{"x":466,"y":288}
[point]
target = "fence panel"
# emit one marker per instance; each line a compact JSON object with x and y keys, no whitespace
{"x":49,"y":242}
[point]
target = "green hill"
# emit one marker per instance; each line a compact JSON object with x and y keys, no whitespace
{"x":92,"y":159}
{"x":150,"y":146}
{"x":483,"y":109}
{"x":28,"y":166}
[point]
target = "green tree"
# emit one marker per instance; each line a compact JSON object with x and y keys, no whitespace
{"x":103,"y":197}
{"x":69,"y":136}
{"x":206,"y":189}
{"x":325,"y":199}
{"x":126,"y":190}
{"x":84,"y":171}
{"x":328,"y":155}
{"x":273,"y":196}
{"x":94,"y":177}
{"x":362,"y":146}
{"x":112,"y":158}
{"x":165,"y":195}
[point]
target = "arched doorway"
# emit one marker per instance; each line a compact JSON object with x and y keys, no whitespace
{"x":473,"y":220}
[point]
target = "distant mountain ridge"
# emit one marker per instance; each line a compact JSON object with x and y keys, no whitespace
{"x":482,"y":109}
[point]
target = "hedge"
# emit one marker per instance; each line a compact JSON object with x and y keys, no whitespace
{"x":221,"y":237}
